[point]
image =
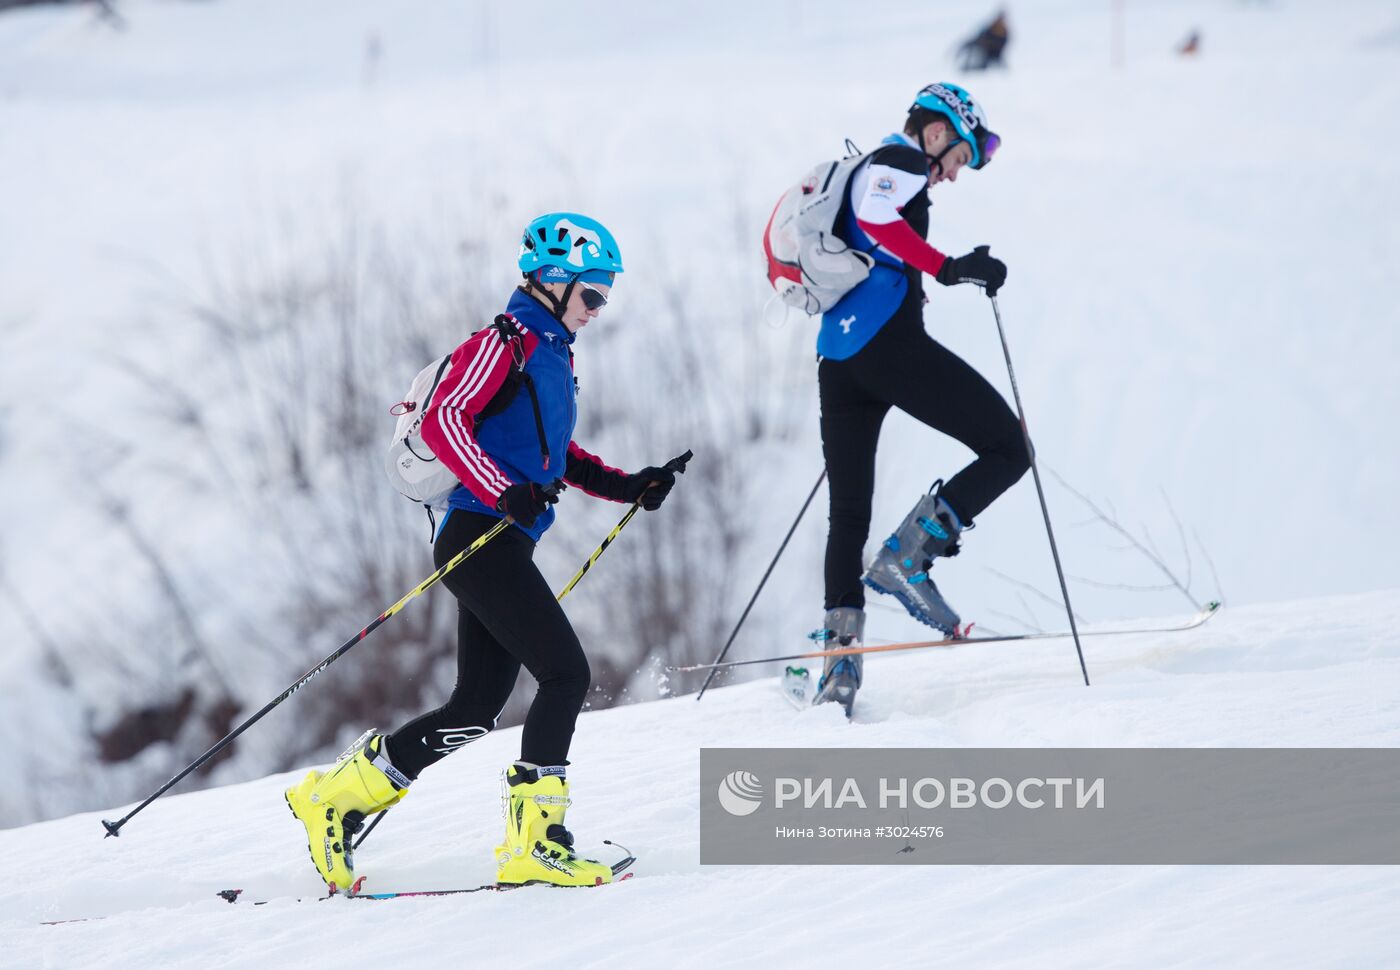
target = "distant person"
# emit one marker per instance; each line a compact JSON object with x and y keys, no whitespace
{"x":986,"y":47}
{"x":874,"y":355}
{"x":1191,"y":46}
{"x":374,"y":56}
{"x":506,"y":404}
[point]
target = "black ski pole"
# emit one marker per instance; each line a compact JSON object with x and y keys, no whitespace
{"x":370,"y":828}
{"x":114,"y":828}
{"x":1039,"y":489}
{"x":753,"y":599}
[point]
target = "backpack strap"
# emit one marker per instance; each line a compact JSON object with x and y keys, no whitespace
{"x":509,"y":331}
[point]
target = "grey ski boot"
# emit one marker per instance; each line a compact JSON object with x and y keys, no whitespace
{"x":901,"y":567}
{"x":841,"y":676}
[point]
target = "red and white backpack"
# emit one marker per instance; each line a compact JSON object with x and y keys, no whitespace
{"x":808,"y":265}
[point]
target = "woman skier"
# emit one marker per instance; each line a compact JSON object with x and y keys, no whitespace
{"x":504,"y":457}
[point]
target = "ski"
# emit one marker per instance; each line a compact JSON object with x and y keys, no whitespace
{"x":620,"y":874}
{"x":1210,"y":610}
{"x":619,"y":869}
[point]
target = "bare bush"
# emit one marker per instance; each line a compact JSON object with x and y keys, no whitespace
{"x":1178,"y":579}
{"x":272,"y":408}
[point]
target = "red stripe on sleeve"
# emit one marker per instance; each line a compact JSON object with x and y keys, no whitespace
{"x":900,"y":238}
{"x":479,"y":368}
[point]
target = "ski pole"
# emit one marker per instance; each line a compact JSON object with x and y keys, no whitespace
{"x":753,"y":599}
{"x":1039,"y":489}
{"x":114,"y":828}
{"x":365,"y":834}
{"x":676,"y":465}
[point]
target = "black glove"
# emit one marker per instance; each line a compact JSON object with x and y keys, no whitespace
{"x":661,"y":481}
{"x":526,"y":502}
{"x":978,"y":266}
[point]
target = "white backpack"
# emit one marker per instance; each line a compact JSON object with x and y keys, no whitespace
{"x":411,"y":465}
{"x":809,"y":266}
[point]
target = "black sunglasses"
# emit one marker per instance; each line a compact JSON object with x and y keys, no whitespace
{"x":592,"y":299}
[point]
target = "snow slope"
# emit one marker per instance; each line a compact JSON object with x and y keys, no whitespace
{"x":1324,"y":672}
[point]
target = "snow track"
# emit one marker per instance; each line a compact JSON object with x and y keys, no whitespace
{"x":1320,"y":673}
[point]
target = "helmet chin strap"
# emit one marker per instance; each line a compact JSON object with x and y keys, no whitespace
{"x":937,"y":159}
{"x":558,"y":306}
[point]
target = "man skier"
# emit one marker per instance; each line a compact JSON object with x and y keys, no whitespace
{"x":507,"y":615}
{"x":874,"y":354}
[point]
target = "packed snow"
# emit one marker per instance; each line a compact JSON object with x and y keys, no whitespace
{"x":1317,"y":673}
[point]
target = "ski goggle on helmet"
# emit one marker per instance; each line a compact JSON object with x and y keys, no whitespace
{"x":955,"y":104}
{"x":565,"y":247}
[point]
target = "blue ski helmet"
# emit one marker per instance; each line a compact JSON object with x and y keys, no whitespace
{"x":566,"y":246}
{"x":955,"y":104}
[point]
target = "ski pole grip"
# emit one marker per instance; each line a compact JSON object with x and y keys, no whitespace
{"x":678,"y":463}
{"x":991,"y":291}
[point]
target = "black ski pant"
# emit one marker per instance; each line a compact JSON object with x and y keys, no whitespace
{"x":903,"y":367}
{"x":507,"y":617}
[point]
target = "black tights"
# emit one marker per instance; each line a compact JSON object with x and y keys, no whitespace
{"x":903,"y":367}
{"x":507,"y":616}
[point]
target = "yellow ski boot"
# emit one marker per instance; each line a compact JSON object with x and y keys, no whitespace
{"x":537,"y":847}
{"x":333,"y":805}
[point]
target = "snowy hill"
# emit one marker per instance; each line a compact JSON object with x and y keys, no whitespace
{"x":1316,"y":673}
